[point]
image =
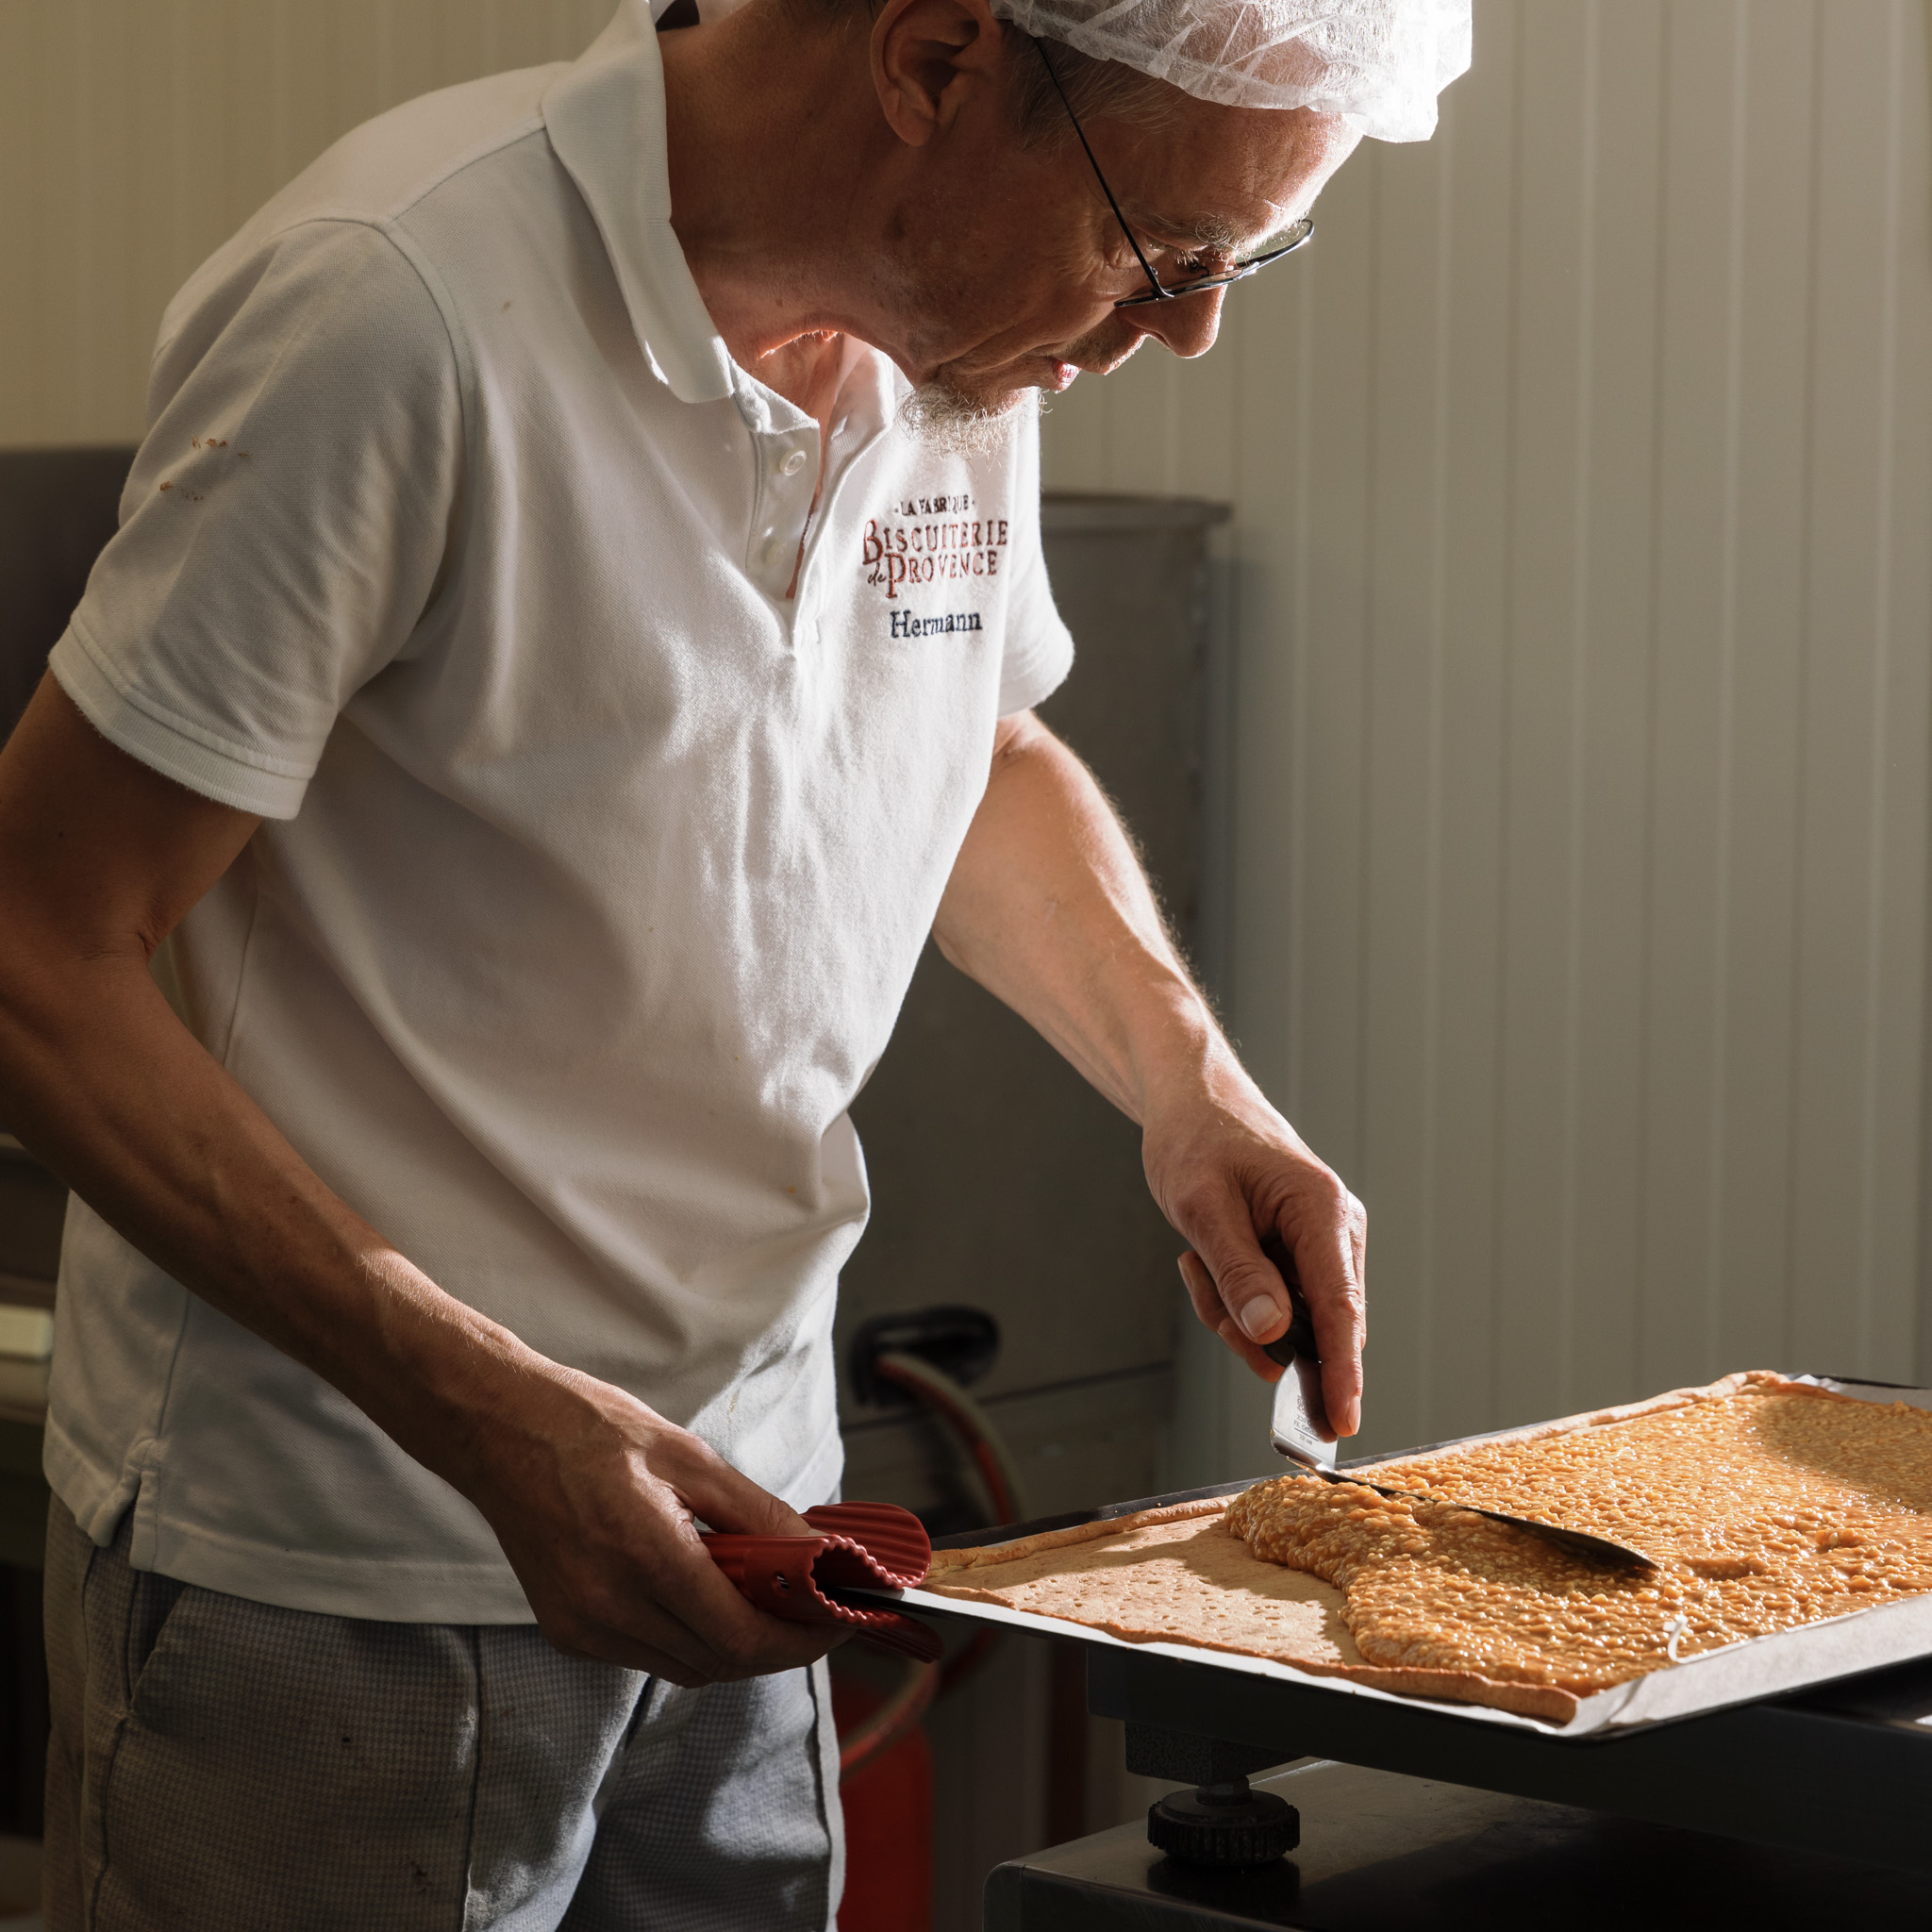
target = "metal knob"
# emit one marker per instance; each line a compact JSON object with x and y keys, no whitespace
{"x":1223,"y":1825}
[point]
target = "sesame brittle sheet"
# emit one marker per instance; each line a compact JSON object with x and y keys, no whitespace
{"x":1767,"y":1505}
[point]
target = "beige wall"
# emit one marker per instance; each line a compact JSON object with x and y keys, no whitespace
{"x":134,"y":135}
{"x":1576,"y":883}
{"x":1576,"y":902}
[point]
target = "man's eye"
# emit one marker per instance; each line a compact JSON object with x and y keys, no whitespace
{"x":1199,"y":262}
{"x":1199,"y":259}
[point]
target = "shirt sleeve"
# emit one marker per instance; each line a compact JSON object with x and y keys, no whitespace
{"x":1040,"y":649}
{"x":287,"y":521}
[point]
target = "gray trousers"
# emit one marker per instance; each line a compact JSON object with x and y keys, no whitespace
{"x":219,"y":1765}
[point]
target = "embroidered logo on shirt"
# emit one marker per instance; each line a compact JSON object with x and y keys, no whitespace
{"x":931,"y":540}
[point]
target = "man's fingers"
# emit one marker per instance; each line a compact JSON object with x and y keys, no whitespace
{"x":720,"y":1496}
{"x":1325,"y":1259}
{"x":739,"y":1639}
{"x":1202,"y":1292}
{"x":1245,"y":1281}
{"x":629,"y":1580}
{"x":647,"y":1611}
{"x":1210,"y":1313}
{"x":733,"y":1638}
{"x":1324,"y":1236}
{"x":666,"y":1607}
{"x":687,"y":1585}
{"x":601,"y":1521}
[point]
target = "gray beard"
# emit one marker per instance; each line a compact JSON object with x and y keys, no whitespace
{"x":952,"y":425}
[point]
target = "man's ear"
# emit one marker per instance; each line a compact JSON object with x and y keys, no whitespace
{"x":928,"y":56}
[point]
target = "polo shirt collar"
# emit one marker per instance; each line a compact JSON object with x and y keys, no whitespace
{"x":605,"y":116}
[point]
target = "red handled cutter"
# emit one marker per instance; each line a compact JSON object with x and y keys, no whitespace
{"x":857,"y":1546}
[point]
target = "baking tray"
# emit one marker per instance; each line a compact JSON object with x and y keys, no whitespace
{"x":1742,"y":1673}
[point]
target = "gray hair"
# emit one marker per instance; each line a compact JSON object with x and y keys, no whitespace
{"x":1095,"y":90}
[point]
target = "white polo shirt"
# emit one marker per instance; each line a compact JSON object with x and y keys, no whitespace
{"x":595,"y":869}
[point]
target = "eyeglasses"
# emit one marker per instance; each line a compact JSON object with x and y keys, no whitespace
{"x":1285,"y":244}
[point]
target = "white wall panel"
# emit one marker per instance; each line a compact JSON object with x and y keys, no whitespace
{"x":1575,"y":898}
{"x":135,"y":135}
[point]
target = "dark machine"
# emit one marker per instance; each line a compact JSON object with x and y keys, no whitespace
{"x":1812,"y":1809}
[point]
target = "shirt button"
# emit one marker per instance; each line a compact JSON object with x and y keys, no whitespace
{"x":792,"y":463}
{"x":773,"y":550}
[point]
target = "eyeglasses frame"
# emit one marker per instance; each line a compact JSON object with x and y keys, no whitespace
{"x":1302,"y":232}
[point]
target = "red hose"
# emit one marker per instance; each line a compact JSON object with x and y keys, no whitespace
{"x":939,"y":1393}
{"x":877,"y":1733}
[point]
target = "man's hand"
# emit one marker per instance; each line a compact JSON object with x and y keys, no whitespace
{"x":596,"y":1500}
{"x":592,"y":1496}
{"x":1229,"y":1172}
{"x":1049,"y":908}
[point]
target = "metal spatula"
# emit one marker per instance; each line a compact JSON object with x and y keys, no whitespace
{"x":1300,"y":1429}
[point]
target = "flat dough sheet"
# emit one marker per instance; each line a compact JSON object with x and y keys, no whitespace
{"x":1180,"y":1575}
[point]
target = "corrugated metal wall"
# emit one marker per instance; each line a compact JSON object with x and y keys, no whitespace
{"x":1575,"y":894}
{"x":137,"y":135}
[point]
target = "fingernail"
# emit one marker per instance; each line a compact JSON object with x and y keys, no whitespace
{"x":1259,"y":1317}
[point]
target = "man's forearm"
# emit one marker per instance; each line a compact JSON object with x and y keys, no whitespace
{"x":99,"y":1076}
{"x":1049,"y":908}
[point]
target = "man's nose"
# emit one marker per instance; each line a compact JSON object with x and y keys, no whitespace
{"x":1186,"y":326}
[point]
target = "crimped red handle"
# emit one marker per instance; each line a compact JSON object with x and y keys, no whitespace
{"x":774,"y":1572}
{"x":890,"y":1539}
{"x":857,"y":1545}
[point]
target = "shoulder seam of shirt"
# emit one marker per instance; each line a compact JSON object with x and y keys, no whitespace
{"x":387,"y":221}
{"x":398,"y":238}
{"x":391,"y":230}
{"x":461,"y":358}
{"x":248,"y":757}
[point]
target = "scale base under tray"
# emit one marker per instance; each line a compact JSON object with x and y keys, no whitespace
{"x":1384,"y":1853}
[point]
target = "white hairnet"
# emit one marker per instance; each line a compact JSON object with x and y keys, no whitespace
{"x":1377,"y":63}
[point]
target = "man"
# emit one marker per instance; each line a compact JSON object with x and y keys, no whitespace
{"x":467,"y":855}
